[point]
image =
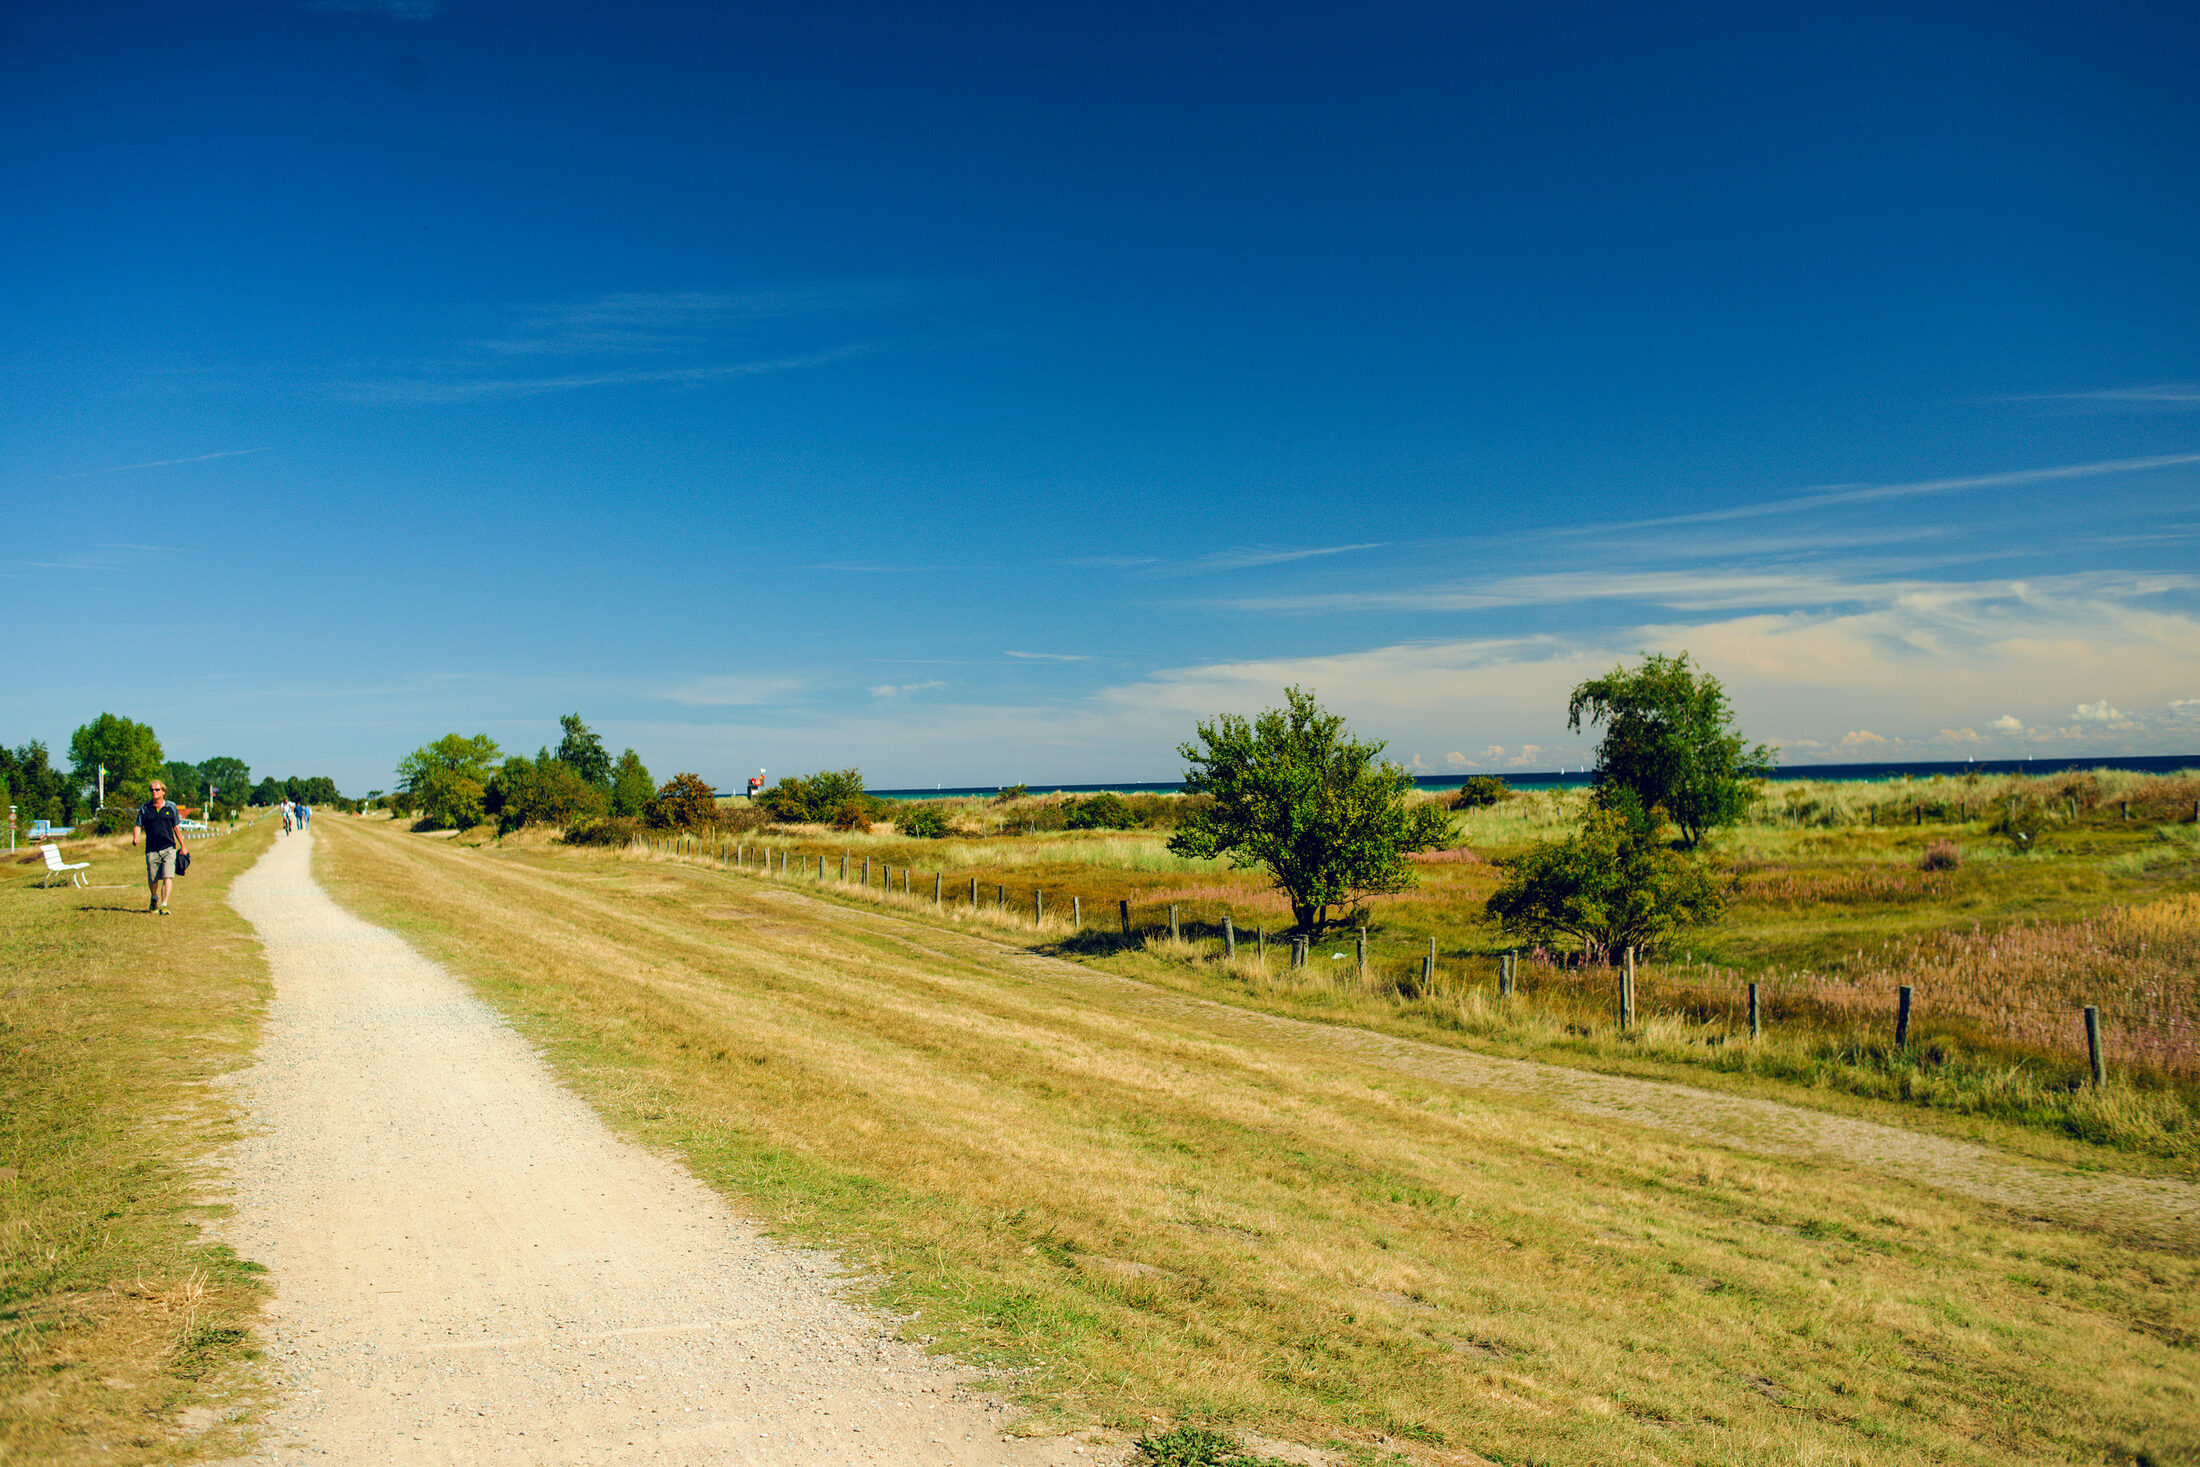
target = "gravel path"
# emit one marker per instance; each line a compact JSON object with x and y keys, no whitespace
{"x":470,"y":1268}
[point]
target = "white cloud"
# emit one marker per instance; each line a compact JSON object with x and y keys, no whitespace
{"x":2008,"y":724}
{"x":2097,"y":713}
{"x":1959,"y":736}
{"x":899,"y":690}
{"x":2184,"y":707}
{"x":1046,"y":656}
{"x":479,"y":388}
{"x":1857,"y":738}
{"x":1461,"y":761}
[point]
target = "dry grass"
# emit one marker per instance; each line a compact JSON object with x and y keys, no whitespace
{"x":1148,"y":1219}
{"x":123,"y":1332}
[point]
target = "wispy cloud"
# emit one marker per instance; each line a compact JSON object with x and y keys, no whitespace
{"x":901,"y":690}
{"x":1842,"y":494}
{"x":163,"y":463}
{"x":1047,"y":656}
{"x":1687,"y":590}
{"x":632,"y":324}
{"x":2151,"y":395}
{"x":430,"y":390}
{"x":1250,"y":557}
{"x":738,"y":690}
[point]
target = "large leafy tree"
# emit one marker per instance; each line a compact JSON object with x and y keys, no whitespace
{"x":1617,"y":883}
{"x":1294,"y":793}
{"x":584,"y":752}
{"x":128,"y":750}
{"x":631,"y":790}
{"x":448,"y":779}
{"x":38,"y":790}
{"x":542,"y":791}
{"x":231,"y":778}
{"x":1670,"y":743}
{"x":685,"y":803}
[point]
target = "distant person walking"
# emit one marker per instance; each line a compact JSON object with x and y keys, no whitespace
{"x":305,"y":814}
{"x":161,"y":824}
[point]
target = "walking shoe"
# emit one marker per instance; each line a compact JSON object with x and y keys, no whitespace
{"x":164,"y":911}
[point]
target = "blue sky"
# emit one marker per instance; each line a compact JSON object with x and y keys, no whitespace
{"x":979,"y":393}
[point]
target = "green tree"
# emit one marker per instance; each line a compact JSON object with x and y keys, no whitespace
{"x":1670,"y":742}
{"x":268,"y":792}
{"x":821,"y":797}
{"x":584,"y":752}
{"x":631,"y":788}
{"x":685,"y":803}
{"x":232,"y":779}
{"x":542,"y":791}
{"x":128,"y":750}
{"x":1294,"y":793}
{"x":185,"y":783}
{"x":1617,"y":883}
{"x":1104,"y":811}
{"x":448,"y":779}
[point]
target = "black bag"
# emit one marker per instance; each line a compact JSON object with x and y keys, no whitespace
{"x":183,"y":862}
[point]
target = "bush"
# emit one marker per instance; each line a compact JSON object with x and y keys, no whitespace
{"x":1941,"y":855}
{"x":1104,"y":811}
{"x":619,"y":830}
{"x":1013,"y":792}
{"x":923,"y":822}
{"x":2022,"y":823}
{"x":852,"y":815}
{"x":1037,"y":817}
{"x":685,"y":803}
{"x":1193,"y":1446}
{"x":543,"y":792}
{"x":1617,"y":884}
{"x":821,"y":797}
{"x":1480,"y":791}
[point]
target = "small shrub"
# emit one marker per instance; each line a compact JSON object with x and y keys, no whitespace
{"x":1481,"y":791}
{"x":1941,"y":855}
{"x":1195,"y":1446}
{"x":1012,"y":792}
{"x":923,"y":822}
{"x":1038,"y":817}
{"x":852,"y":815}
{"x":2022,"y":823}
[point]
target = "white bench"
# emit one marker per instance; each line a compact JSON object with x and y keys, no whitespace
{"x":55,"y":866}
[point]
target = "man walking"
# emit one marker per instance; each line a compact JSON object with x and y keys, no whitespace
{"x":161,"y":823}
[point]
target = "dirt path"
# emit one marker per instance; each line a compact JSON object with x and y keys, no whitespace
{"x":2160,"y":1210}
{"x":470,"y":1268}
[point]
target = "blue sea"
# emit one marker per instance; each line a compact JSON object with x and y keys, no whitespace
{"x":1575,"y":778}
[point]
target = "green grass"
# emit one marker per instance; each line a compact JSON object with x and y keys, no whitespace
{"x":1823,"y":913}
{"x":125,"y":1333}
{"x":1147,"y":1221}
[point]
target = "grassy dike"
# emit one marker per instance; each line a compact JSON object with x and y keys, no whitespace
{"x":1136,"y":1220}
{"x":124,"y":1332}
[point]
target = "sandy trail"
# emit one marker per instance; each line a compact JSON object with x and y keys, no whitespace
{"x":470,"y":1268}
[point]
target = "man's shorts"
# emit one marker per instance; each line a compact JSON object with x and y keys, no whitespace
{"x":160,"y":865}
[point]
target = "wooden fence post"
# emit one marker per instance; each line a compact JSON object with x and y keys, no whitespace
{"x":1428,"y":968}
{"x":1756,"y":1014}
{"x":1229,"y":937}
{"x":2093,"y":1045}
{"x":1175,"y":933}
{"x":1505,"y":976}
{"x":1359,"y":955}
{"x":1038,"y":906}
{"x":1627,"y":991}
{"x":973,"y":893}
{"x":1902,"y":1017}
{"x":1077,"y":913}
{"x":1000,"y":897}
{"x":937,"y":878}
{"x":1260,"y":945}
